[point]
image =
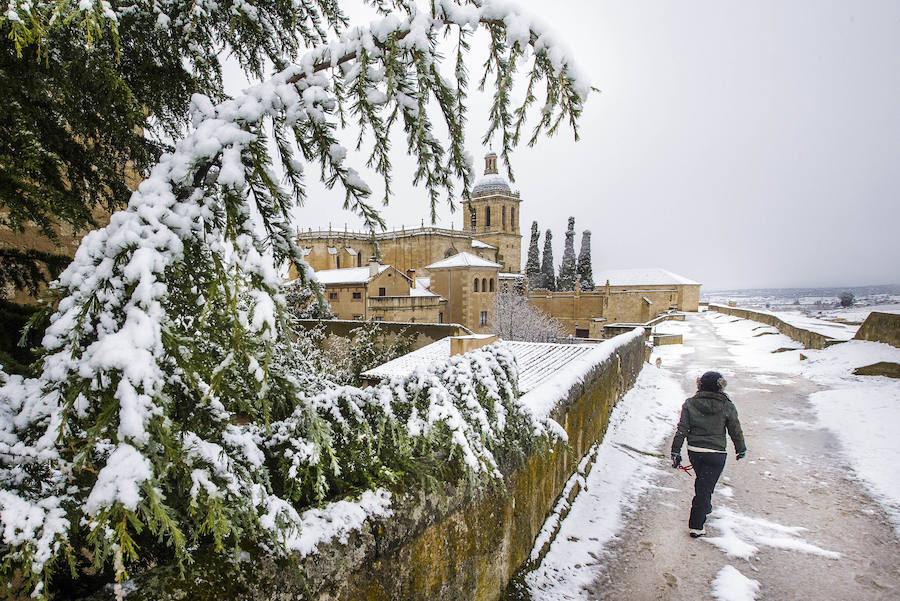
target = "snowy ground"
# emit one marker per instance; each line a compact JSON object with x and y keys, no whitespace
{"x":619,"y":476}
{"x":796,"y":520}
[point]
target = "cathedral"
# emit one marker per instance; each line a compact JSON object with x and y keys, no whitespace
{"x":489,"y":229}
{"x":440,"y":275}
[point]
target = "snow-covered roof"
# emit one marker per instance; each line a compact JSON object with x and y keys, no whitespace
{"x":491,"y":182}
{"x":421,"y":288}
{"x":463,"y":259}
{"x":405,"y":365}
{"x":348,"y":275}
{"x":653,"y":276}
{"x":480,"y":244}
{"x":536,"y":360}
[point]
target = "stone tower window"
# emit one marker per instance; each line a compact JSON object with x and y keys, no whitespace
{"x":474,"y":219}
{"x":476,"y":284}
{"x":492,"y":284}
{"x":483,"y":285}
{"x":503,"y":217}
{"x":487,"y":217}
{"x":512,"y":218}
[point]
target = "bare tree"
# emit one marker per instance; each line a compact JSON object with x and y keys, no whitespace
{"x":514,"y":318}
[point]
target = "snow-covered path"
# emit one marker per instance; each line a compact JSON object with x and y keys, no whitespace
{"x":793,"y":521}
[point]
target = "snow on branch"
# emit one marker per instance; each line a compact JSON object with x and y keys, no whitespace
{"x":156,"y":393}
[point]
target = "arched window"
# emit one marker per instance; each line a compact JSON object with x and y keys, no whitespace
{"x":476,"y":284}
{"x":492,"y":284}
{"x":487,"y":216}
{"x":474,"y":219}
{"x":512,"y":217}
{"x":483,"y":285}
{"x":503,"y":217}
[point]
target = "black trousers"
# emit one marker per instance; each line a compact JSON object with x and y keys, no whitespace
{"x":707,"y":467}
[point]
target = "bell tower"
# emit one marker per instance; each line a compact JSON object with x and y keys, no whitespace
{"x":492,"y":215}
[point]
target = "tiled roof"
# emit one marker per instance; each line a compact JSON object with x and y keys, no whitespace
{"x":537,"y":361}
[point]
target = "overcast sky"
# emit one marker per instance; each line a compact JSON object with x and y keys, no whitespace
{"x":741,"y":144}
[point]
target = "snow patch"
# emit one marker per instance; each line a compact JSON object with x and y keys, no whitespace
{"x":731,"y":585}
{"x":740,"y":535}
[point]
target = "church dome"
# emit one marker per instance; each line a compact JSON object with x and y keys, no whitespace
{"x":491,"y":181}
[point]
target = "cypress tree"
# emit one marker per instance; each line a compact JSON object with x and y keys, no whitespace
{"x":547,"y":272}
{"x":533,"y":265}
{"x":567,"y":268}
{"x":583,"y":268}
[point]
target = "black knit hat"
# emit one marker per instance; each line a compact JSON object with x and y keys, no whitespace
{"x":711,"y":381}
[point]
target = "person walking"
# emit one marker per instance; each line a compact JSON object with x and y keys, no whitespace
{"x":705,"y":417}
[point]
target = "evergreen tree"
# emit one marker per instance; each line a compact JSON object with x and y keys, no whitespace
{"x":161,"y":421}
{"x":583,"y":268}
{"x":567,"y":267}
{"x":90,"y":88}
{"x":533,"y":264}
{"x":548,"y":272}
{"x":305,"y":299}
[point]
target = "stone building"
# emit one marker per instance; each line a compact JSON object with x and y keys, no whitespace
{"x":381,"y":293}
{"x":489,"y":228}
{"x":626,"y":296}
{"x":459,"y":289}
{"x":469,"y":283}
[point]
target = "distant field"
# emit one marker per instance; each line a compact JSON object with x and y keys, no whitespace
{"x":820,"y":303}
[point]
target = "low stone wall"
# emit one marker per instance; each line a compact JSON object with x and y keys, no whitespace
{"x":807,"y":338}
{"x":880,"y":327}
{"x":427,"y":332}
{"x":440,"y":544}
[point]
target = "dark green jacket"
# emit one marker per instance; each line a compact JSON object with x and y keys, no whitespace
{"x":704,"y":419}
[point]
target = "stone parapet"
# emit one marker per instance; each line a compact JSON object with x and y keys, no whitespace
{"x":807,"y":338}
{"x":443,"y":542}
{"x":880,"y":327}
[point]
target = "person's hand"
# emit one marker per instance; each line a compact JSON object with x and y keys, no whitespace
{"x":676,"y":460}
{"x":741,"y":455}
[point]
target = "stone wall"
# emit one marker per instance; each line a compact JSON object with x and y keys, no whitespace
{"x":805,"y":337}
{"x":880,"y":327}
{"x":423,"y":309}
{"x":440,"y":544}
{"x":573,"y":310}
{"x":426,"y":332}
